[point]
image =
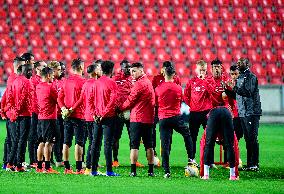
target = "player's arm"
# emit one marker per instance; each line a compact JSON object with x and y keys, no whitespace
{"x":81,"y":99}
{"x":247,"y":88}
{"x":187,"y":93}
{"x":132,"y":98}
{"x":3,"y":104}
{"x":26,"y":94}
{"x":112,"y":102}
{"x":60,"y":98}
{"x":90,"y":101}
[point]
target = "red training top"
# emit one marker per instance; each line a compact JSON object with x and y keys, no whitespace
{"x":124,"y":85}
{"x":158,"y":79}
{"x":35,"y":80}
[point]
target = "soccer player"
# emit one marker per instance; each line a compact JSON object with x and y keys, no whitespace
{"x":29,"y":59}
{"x":73,"y":124}
{"x":219,"y":124}
{"x":59,"y":135}
{"x":105,"y":112}
{"x":94,"y":71}
{"x":124,"y":83}
{"x":33,"y":137}
{"x":249,"y":107}
{"x":157,"y":80}
{"x":197,"y":97}
{"x":10,"y":143}
{"x":19,"y":98}
{"x":169,"y":97}
{"x":141,"y":102}
{"x":46,"y":96}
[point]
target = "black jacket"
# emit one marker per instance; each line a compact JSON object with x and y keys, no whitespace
{"x":247,"y":94}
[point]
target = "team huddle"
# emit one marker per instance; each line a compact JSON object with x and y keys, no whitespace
{"x":45,"y":109}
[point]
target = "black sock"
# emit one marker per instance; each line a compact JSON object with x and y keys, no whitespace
{"x":151,"y":168}
{"x":79,"y":165}
{"x":39,"y":164}
{"x":133,"y":168}
{"x":67,"y":165}
{"x":47,"y":165}
{"x":88,"y":166}
{"x":94,"y":168}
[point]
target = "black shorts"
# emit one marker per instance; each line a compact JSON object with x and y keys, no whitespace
{"x":46,"y":130}
{"x":138,"y":131}
{"x":74,"y":126}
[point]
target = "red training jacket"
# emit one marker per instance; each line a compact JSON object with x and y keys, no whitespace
{"x":35,"y":80}
{"x":158,"y":79}
{"x":124,"y":85}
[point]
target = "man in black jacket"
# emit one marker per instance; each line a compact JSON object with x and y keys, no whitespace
{"x":249,"y":108}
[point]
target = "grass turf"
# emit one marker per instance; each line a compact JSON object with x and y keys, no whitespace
{"x":268,"y":180}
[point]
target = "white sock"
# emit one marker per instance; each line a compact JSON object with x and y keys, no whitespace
{"x":206,"y":170}
{"x":232,"y":172}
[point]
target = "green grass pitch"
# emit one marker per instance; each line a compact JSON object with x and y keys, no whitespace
{"x":268,"y":180}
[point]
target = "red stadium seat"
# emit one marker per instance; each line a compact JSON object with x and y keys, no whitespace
{"x":4,"y":28}
{"x":154,"y":27}
{"x":123,"y":27}
{"x":18,"y":27}
{"x":192,"y":54}
{"x":21,"y":40}
{"x":182,"y":70}
{"x":158,"y":41}
{"x":69,"y":54}
{"x":60,"y":13}
{"x":75,"y":13}
{"x":203,"y":41}
{"x":93,"y":27}
{"x":245,"y":28}
{"x":104,"y":2}
{"x":15,"y":12}
{"x":254,"y":14}
{"x":48,"y":27}
{"x":222,"y":3}
{"x":139,"y":27}
{"x":215,"y":27}
{"x":184,"y":27}
{"x":249,"y":41}
{"x":277,"y":41}
{"x":115,"y":54}
{"x":280,"y":54}
{"x":208,"y":3}
{"x":169,"y":27}
{"x":54,"y":54}
{"x":112,"y":41}
{"x":30,"y":12}
{"x":269,"y":14}
{"x":78,"y":27}
{"x":260,"y":29}
{"x":143,"y":41}
{"x":276,"y":80}
{"x":219,"y":41}
{"x":51,"y":41}
{"x":162,"y":55}
{"x":165,"y":13}
{"x":85,"y":54}
{"x":105,"y":13}
{"x":273,"y":70}
{"x":135,"y":13}
{"x":200,"y":27}
{"x":7,"y":54}
{"x":131,"y":55}
{"x":237,"y":53}
{"x":264,"y":42}
{"x":3,"y":14}
{"x":274,"y":28}
{"x":268,"y":55}
{"x":89,"y":2}
{"x":149,"y":2}
{"x":64,"y":27}
{"x":192,"y":3}
{"x":208,"y":55}
{"x":226,"y":14}
{"x":120,"y":13}
{"x":147,"y":55}
{"x":127,"y":40}
{"x":150,"y":13}
{"x":35,"y":40}
{"x":180,"y":13}
{"x":90,"y":13}
{"x":97,"y":40}
{"x":281,"y":12}
{"x":253,"y":55}
{"x":56,"y":2}
{"x":238,"y":3}
{"x":173,"y":41}
{"x":66,"y":40}
{"x":109,"y":27}
{"x":262,"y":80}
{"x":38,"y":53}
{"x":33,"y":27}
{"x":234,"y":41}
{"x":5,"y":40}
{"x":240,"y":14}
{"x":45,"y":13}
{"x":195,"y":14}
{"x":82,"y":41}
{"x":74,"y":2}
{"x":258,"y":70}
{"x":223,"y":55}
{"x":177,"y":55}
{"x":230,"y":27}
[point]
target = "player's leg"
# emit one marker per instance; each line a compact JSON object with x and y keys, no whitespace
{"x":116,"y":137}
{"x":108,"y":125}
{"x":135,"y":137}
{"x":239,"y":133}
{"x":24,"y":127}
{"x":12,"y":127}
{"x":7,"y":146}
{"x":79,"y":131}
{"x":165,"y":136}
{"x":89,"y":128}
{"x":147,"y":137}
{"x":32,"y":139}
{"x":58,"y":144}
{"x":68,"y":137}
{"x":40,"y":149}
{"x":246,"y":129}
{"x":194,"y":124}
{"x":96,"y":147}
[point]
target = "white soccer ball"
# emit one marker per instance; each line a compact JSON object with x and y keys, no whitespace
{"x":191,"y":171}
{"x":126,"y":115}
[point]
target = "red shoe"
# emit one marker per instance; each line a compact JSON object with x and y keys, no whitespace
{"x":205,"y":177}
{"x":39,"y":170}
{"x":68,"y":171}
{"x":33,"y":165}
{"x":22,"y":169}
{"x":138,"y":164}
{"x":234,"y":178}
{"x":80,"y":172}
{"x":10,"y":168}
{"x":51,"y":171}
{"x":115,"y":164}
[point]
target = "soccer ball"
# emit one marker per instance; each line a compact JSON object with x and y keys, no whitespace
{"x":126,"y":115}
{"x":157,"y":161}
{"x":191,"y":171}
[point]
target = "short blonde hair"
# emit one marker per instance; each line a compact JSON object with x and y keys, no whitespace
{"x":201,"y":63}
{"x":53,"y":64}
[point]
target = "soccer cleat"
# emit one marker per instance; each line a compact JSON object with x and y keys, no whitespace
{"x":97,"y":173}
{"x":133,"y":174}
{"x":33,"y":165}
{"x":21,"y":169}
{"x":151,"y":174}
{"x":4,"y":166}
{"x":59,"y":164}
{"x":205,"y":177}
{"x":39,"y":170}
{"x":82,"y":171}
{"x":10,"y":168}
{"x":112,"y":174}
{"x":87,"y":171}
{"x":167,"y":176}
{"x":234,"y":178}
{"x":68,"y":171}
{"x":253,"y":169}
{"x":115,"y":164}
{"x":138,"y":164}
{"x":51,"y":171}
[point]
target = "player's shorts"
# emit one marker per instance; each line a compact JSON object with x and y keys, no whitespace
{"x":74,"y":126}
{"x":46,"y":130}
{"x":138,"y":131}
